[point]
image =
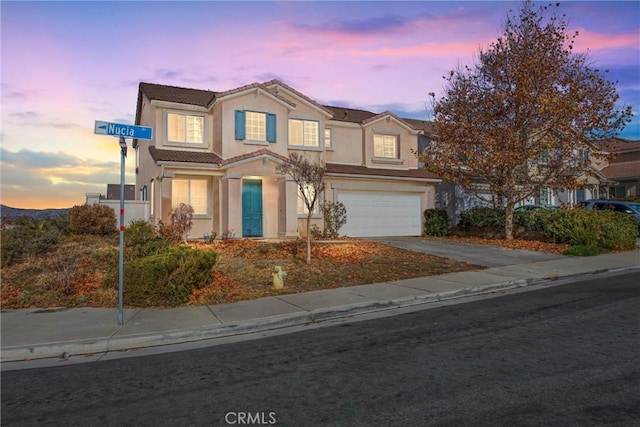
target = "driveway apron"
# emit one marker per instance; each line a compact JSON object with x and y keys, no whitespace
{"x":485,"y":255}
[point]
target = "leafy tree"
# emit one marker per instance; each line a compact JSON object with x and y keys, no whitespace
{"x":524,"y":116}
{"x":310,"y":180}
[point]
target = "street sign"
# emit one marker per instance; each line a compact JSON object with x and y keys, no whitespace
{"x":127,"y":131}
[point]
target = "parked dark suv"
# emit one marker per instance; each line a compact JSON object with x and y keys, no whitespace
{"x":629,"y":208}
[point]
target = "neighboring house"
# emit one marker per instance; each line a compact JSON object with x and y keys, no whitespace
{"x":615,"y":179}
{"x":623,"y":171}
{"x":218,"y":152}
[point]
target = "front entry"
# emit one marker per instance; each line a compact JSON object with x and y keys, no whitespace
{"x":252,"y":208}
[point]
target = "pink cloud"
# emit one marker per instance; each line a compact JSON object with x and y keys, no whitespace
{"x":426,"y":49}
{"x":589,"y":40}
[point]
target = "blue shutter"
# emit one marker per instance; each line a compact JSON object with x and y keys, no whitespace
{"x":240,"y":124}
{"x":271,"y":127}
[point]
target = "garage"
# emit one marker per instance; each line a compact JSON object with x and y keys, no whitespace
{"x":375,"y":214}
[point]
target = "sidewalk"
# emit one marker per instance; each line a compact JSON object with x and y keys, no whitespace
{"x":43,"y":333}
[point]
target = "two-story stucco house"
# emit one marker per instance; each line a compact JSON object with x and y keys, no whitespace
{"x":623,"y":171}
{"x":218,"y":152}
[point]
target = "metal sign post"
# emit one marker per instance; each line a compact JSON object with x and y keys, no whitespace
{"x":123,"y":155}
{"x":122,"y":131}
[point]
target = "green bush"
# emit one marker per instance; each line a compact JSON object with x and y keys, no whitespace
{"x":436,"y":222}
{"x":99,"y":220}
{"x":141,"y":239}
{"x":583,"y":251}
{"x":482,"y":217}
{"x":335,"y":216}
{"x":30,"y":238}
{"x":594,"y":229}
{"x":577,"y":227}
{"x":165,"y":278}
{"x":532,"y":220}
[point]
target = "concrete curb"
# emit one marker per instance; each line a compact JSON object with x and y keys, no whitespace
{"x":121,"y":343}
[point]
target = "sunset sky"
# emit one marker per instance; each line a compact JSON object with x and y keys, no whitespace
{"x":66,"y":64}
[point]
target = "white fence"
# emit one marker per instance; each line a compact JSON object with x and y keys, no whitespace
{"x":133,"y":209}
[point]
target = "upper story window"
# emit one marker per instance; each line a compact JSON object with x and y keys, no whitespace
{"x":328,"y":138}
{"x":192,"y":192}
{"x":255,"y":126}
{"x":303,"y":133}
{"x":185,"y":128}
{"x":385,"y":146}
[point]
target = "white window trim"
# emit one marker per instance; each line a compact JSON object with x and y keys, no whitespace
{"x":167,"y":142}
{"x":318,"y":147}
{"x":207,"y":214}
{"x":330,"y":146}
{"x":395,"y":159}
{"x":246,"y":128}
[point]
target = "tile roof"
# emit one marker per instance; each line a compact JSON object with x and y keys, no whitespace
{"x":334,"y":168}
{"x":204,"y":98}
{"x":619,"y":145}
{"x":182,"y":95}
{"x":384,"y":114}
{"x":251,"y":155}
{"x":422,"y":125}
{"x":181,"y":156}
{"x":351,"y":115}
{"x":262,"y":86}
{"x":276,"y":82}
{"x":160,"y":155}
{"x":622,"y":170}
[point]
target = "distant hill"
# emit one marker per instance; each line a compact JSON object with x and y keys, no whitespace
{"x":9,"y":212}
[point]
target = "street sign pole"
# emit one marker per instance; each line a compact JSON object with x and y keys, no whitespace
{"x":122,"y":131}
{"x":123,"y":155}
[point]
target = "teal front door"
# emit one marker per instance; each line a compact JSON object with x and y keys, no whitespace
{"x":251,"y":208}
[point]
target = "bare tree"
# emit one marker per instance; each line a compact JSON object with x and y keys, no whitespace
{"x":526,"y":117}
{"x":310,"y":180}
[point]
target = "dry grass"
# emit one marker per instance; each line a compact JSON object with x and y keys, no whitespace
{"x":71,"y":274}
{"x":244,"y":268}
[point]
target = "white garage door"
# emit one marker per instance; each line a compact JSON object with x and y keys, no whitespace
{"x":371,"y":214}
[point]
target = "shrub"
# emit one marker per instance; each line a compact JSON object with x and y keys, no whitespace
{"x":99,"y":220}
{"x":436,"y":222}
{"x":581,"y":250}
{"x":594,"y":229}
{"x":182,"y":220}
{"x":181,"y":223}
{"x":316,"y":233}
{"x":335,"y":216}
{"x":482,"y":217}
{"x":28,"y":239}
{"x":165,"y":278}
{"x":532,"y":220}
{"x":141,"y":239}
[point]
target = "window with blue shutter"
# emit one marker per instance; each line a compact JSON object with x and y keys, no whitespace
{"x":240,"y":124}
{"x":271,"y":127}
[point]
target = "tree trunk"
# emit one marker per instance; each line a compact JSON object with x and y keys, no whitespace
{"x":309,"y":238}
{"x":508,"y":221}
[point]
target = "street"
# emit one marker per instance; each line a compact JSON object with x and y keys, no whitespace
{"x":562,"y":355}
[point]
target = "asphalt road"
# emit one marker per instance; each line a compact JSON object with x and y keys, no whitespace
{"x":563,"y":355}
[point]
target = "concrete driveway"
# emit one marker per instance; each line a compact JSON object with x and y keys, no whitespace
{"x":485,"y":255}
